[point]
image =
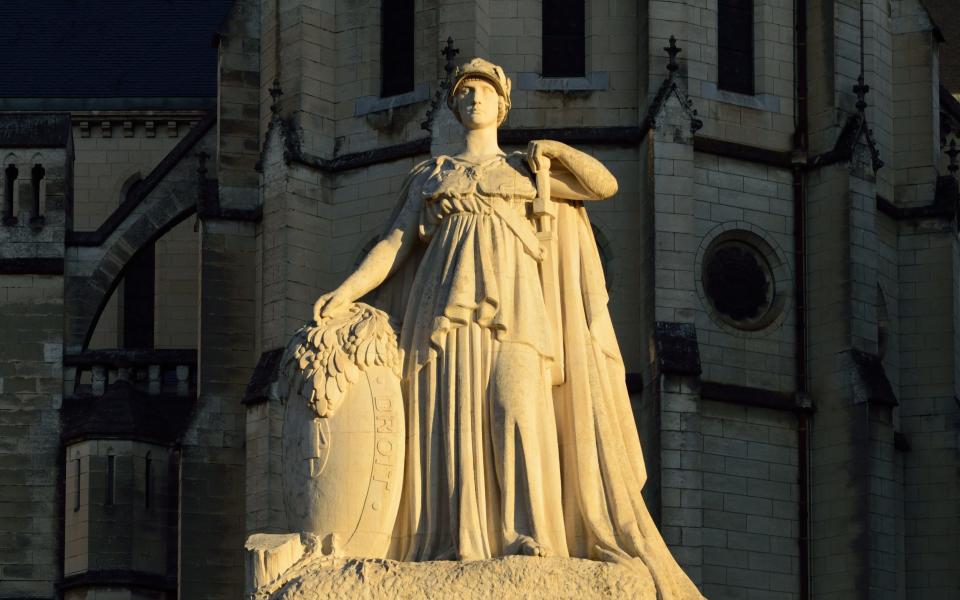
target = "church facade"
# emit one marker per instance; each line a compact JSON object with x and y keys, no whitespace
{"x":781,"y":257}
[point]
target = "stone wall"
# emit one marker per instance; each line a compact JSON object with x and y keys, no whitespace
{"x":750,"y":502}
{"x":175,"y":311}
{"x":31,"y":330}
{"x":929,"y":415}
{"x":752,"y":202}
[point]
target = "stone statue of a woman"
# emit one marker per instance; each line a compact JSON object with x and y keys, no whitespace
{"x":520,"y":435}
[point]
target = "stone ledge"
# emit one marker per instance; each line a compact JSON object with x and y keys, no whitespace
{"x":366,"y":105}
{"x":509,"y":577}
{"x":764,"y":102}
{"x":596,"y":81}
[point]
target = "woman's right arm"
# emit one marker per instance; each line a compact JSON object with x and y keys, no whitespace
{"x":385,"y":257}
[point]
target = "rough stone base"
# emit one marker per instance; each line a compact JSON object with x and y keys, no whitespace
{"x":509,"y":577}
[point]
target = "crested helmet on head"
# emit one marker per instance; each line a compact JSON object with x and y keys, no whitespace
{"x":478,"y":68}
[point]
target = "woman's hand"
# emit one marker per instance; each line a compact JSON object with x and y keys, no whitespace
{"x":574,"y":175}
{"x":331,"y":303}
{"x":540,"y":149}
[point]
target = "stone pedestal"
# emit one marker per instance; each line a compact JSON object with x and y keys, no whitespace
{"x":510,"y":577}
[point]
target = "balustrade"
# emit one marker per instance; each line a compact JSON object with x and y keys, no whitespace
{"x":153,"y":372}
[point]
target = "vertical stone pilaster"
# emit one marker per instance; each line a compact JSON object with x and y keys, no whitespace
{"x":671,"y":143}
{"x":212,"y":460}
{"x":670,"y":173}
{"x":862,"y":252}
{"x":838,"y":501}
{"x":916,"y":115}
{"x":679,"y":464}
{"x":929,"y":417}
{"x":295,"y":236}
{"x":31,"y":392}
{"x":853,"y":422}
{"x":264,"y":486}
{"x":929,"y":414}
{"x":882,"y":552}
{"x":238,"y":145}
{"x":681,"y":471}
{"x":298,"y":50}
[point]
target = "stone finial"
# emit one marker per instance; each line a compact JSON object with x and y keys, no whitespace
{"x":669,"y":87}
{"x":275,"y":93}
{"x":861,"y":89}
{"x":449,"y":52}
{"x":857,"y":125}
{"x":672,"y":50}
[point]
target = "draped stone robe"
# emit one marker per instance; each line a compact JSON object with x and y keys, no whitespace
{"x":497,"y":458}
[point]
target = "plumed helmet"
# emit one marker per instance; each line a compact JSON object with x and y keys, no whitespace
{"x":482,"y":69}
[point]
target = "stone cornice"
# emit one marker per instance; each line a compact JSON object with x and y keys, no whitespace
{"x":751,"y":396}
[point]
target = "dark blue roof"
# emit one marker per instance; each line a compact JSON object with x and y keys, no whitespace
{"x":109,"y":48}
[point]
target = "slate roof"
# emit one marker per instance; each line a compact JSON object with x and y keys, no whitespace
{"x":109,"y":48}
{"x":126,"y":413}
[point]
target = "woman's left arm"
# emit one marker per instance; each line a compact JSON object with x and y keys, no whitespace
{"x":574,"y":175}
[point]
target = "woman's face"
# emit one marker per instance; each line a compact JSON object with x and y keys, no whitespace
{"x":478,"y":104}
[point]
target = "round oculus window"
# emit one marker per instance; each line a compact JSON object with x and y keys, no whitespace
{"x":739,"y":283}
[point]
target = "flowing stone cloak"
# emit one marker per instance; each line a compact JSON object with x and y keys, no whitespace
{"x":602,"y":467}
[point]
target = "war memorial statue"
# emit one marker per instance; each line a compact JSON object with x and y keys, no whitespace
{"x":482,"y":380}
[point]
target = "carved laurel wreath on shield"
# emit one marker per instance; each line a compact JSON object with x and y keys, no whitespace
{"x":331,"y":355}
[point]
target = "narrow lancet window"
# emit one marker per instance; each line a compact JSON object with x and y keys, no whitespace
{"x":9,"y":178}
{"x":396,"y":47}
{"x":76,"y":484}
{"x":147,"y":477}
{"x":735,"y":46}
{"x":36,"y":177}
{"x":564,"y":38}
{"x":139,"y":288}
{"x":111,"y":495}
